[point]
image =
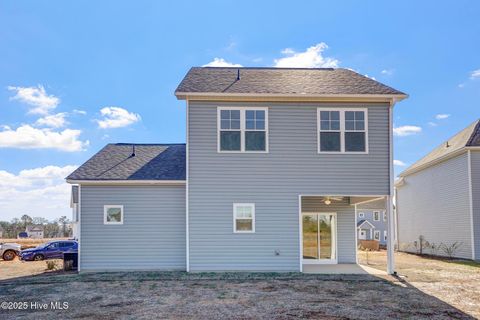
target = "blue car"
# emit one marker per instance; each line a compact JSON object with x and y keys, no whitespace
{"x":49,"y":250}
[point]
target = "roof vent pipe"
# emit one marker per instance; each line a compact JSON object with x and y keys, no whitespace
{"x":238,"y":74}
{"x":447,"y":145}
{"x":133,"y":151}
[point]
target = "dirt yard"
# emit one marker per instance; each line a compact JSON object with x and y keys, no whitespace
{"x":431,"y":289}
{"x":457,"y":282}
{"x":17,"y":269}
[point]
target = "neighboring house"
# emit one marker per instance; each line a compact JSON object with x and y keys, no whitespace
{"x":1,"y":232}
{"x":372,"y":221}
{"x":35,"y":231}
{"x":438,"y":197}
{"x":274,"y":164}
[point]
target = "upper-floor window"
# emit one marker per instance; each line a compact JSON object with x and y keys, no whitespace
{"x":342,"y":130}
{"x":242,"y":129}
{"x":376,"y":215}
{"x":361,"y":215}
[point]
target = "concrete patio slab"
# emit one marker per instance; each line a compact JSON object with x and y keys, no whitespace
{"x":342,"y":268}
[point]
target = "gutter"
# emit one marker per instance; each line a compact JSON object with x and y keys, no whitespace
{"x":282,"y":96}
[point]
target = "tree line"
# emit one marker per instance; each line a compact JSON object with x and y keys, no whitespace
{"x":51,"y":229}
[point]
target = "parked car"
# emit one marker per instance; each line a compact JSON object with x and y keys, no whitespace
{"x":49,"y":250}
{"x":22,"y":235}
{"x":8,"y":251}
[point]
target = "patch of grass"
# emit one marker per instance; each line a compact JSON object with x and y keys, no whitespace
{"x":468,"y":263}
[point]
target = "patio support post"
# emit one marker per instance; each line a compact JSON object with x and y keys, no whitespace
{"x":389,"y":198}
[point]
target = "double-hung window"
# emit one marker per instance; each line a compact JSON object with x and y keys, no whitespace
{"x":342,"y":130}
{"x":243,"y":217}
{"x":242,"y":129}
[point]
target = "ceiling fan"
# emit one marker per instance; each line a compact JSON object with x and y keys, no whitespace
{"x":328,"y":200}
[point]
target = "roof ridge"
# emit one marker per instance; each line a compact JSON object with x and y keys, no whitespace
{"x":146,"y":144}
{"x":271,"y":68}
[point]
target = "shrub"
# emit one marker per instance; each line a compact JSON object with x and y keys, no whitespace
{"x":451,"y":250}
{"x":51,"y":265}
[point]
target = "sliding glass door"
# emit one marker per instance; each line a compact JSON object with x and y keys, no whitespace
{"x":319,"y":237}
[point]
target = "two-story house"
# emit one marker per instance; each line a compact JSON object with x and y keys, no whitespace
{"x":275,"y":163}
{"x":372,"y":221}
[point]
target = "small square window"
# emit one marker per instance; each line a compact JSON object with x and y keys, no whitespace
{"x":243,"y":217}
{"x":113,"y":214}
{"x":361,"y":215}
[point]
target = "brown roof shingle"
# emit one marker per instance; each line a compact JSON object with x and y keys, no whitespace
{"x":294,"y":81}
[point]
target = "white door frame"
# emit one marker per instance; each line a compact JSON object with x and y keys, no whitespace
{"x":334,"y":259}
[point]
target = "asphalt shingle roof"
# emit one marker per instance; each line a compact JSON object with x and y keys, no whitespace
{"x":312,"y":81}
{"x":150,"y":162}
{"x":468,"y":137}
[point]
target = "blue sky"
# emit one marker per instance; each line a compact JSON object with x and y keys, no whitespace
{"x":76,"y":75}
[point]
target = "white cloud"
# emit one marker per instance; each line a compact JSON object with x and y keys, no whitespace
{"x":475,"y":74}
{"x":36,"y":97}
{"x":403,"y":131}
{"x":442,"y":116}
{"x":53,"y":121}
{"x":220,"y":62}
{"x":399,"y":163}
{"x":28,"y":137}
{"x":82,"y":112}
{"x":388,"y":72}
{"x":310,"y":58}
{"x":116,"y":117}
{"x":37,"y":192}
{"x":432,"y":124}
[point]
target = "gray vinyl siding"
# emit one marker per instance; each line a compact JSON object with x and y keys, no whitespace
{"x":475,"y":158}
{"x":435,"y":203}
{"x":152,"y":236}
{"x":273,"y":182}
{"x":345,"y":225}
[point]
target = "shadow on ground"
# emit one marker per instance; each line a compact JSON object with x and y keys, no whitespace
{"x":224,"y":295}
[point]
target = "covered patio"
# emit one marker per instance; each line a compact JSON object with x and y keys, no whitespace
{"x":328,"y":230}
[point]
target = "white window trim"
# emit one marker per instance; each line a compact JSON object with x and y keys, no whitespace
{"x":342,"y":130}
{"x":374,"y":215}
{"x":108,"y":206}
{"x":242,"y":129}
{"x":384,"y":216}
{"x":361,"y":215}
{"x":375,"y":232}
{"x":384,"y":235}
{"x":251,"y":205}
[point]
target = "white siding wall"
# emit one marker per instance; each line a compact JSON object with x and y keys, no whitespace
{"x":152,"y":236}
{"x":475,"y":155}
{"x":435,"y":203}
